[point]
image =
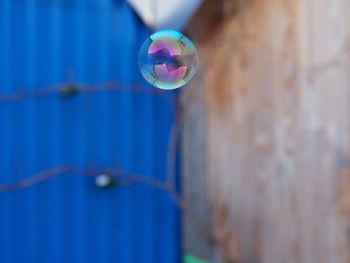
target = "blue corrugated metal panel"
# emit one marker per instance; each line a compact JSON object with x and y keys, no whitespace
{"x":67,"y":218}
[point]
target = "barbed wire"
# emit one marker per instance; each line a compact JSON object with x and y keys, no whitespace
{"x":68,"y":89}
{"x":120,"y":176}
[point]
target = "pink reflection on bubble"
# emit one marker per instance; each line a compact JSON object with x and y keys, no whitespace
{"x":159,"y":45}
{"x":169,"y":76}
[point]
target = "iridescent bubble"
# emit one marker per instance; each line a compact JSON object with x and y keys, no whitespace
{"x":168,"y":59}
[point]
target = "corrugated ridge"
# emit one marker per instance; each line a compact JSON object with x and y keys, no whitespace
{"x":67,"y":218}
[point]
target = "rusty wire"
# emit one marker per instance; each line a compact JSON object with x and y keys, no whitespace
{"x":122,"y":176}
{"x":67,"y":89}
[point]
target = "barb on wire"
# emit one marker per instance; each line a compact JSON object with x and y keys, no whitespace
{"x":123,"y":178}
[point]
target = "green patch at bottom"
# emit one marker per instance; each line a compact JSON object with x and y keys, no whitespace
{"x":189,"y":258}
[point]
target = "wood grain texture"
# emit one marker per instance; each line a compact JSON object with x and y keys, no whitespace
{"x":197,"y":223}
{"x":277,"y":112}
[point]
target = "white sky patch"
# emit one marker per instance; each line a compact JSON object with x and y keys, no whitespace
{"x":165,"y":14}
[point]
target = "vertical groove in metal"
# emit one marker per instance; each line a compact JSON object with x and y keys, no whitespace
{"x":98,"y":210}
{"x":30,"y":161}
{"x":80,"y":74}
{"x":5,"y":135}
{"x":122,"y":132}
{"x":17,"y":68}
{"x":56,"y":190}
{"x":67,"y":218}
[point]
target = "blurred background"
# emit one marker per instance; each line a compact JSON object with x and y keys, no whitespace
{"x":249,"y":162}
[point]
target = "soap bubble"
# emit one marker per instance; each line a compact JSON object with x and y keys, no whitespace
{"x":168,"y":59}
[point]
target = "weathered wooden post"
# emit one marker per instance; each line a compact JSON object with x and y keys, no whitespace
{"x":276,"y":81}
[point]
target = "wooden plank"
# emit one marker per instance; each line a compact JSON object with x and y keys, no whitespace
{"x":197,"y":239}
{"x":277,"y":99}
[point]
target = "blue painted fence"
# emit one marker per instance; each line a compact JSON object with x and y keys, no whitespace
{"x":45,"y":44}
